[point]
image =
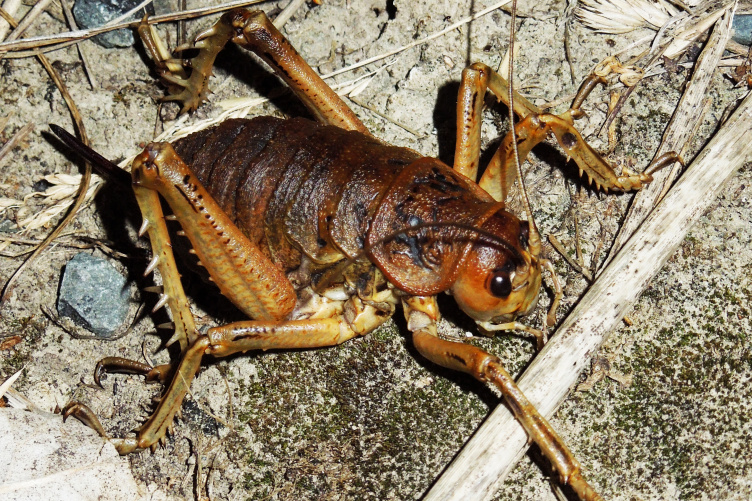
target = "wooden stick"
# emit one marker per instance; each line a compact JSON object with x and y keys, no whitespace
{"x":497,"y":445}
{"x":677,"y":131}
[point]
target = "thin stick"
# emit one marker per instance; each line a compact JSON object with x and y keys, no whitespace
{"x":494,"y":449}
{"x":678,"y":130}
{"x":72,"y":22}
{"x":386,"y":117}
{"x":128,"y":14}
{"x":83,"y":187}
{"x":287,"y":13}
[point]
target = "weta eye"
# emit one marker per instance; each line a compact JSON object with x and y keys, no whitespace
{"x":500,"y":283}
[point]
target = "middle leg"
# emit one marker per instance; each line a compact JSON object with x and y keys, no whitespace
{"x":220,"y":342}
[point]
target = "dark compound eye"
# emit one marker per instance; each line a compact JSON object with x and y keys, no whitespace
{"x":500,"y":284}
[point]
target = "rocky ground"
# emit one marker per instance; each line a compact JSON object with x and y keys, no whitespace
{"x":370,"y":419}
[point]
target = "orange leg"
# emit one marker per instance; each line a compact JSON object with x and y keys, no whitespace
{"x":422,"y":314}
{"x":219,"y":342}
{"x":476,"y":80}
{"x":255,"y":32}
{"x":534,"y":127}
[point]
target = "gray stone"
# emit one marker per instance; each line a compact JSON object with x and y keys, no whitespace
{"x":93,"y":295}
{"x":742,"y":26}
{"x":94,"y":13}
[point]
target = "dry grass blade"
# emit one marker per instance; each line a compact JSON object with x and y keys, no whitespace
{"x":9,"y":382}
{"x":83,"y":188}
{"x":622,"y":16}
{"x":678,"y":130}
{"x":496,"y":446}
{"x":17,"y":138}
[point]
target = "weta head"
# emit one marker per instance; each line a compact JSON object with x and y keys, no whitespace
{"x":500,"y":276}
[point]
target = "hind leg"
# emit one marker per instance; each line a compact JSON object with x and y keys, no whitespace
{"x":255,"y":32}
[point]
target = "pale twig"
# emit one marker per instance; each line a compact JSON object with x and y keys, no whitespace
{"x":72,"y":36}
{"x":128,"y":14}
{"x":678,"y":131}
{"x":29,"y":18}
{"x":17,"y":138}
{"x":287,"y":13}
{"x":72,"y":22}
{"x":10,"y":7}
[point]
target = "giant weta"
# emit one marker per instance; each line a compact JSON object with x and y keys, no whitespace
{"x":318,"y":231}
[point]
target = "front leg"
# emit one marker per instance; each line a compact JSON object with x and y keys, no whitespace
{"x":534,"y":127}
{"x":477,"y":79}
{"x":422,"y":314}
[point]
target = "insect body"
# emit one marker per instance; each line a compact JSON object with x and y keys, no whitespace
{"x":324,"y":203}
{"x":318,"y":231}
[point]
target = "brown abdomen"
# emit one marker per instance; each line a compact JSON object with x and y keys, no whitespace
{"x":295,"y":185}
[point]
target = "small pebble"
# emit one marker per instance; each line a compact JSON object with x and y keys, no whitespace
{"x":742,"y":29}
{"x":93,"y":295}
{"x":95,"y":13}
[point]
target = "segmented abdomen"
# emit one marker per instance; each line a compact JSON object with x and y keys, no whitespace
{"x":295,"y":185}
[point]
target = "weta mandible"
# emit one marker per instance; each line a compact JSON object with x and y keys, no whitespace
{"x":319,"y":231}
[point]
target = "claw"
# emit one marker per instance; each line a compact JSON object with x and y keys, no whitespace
{"x":125,"y":445}
{"x":121,"y":365}
{"x":182,"y":82}
{"x":204,"y":34}
{"x":85,"y":415}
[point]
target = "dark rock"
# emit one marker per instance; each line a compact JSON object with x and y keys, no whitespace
{"x":742,"y":29}
{"x":93,"y":295}
{"x":95,"y":13}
